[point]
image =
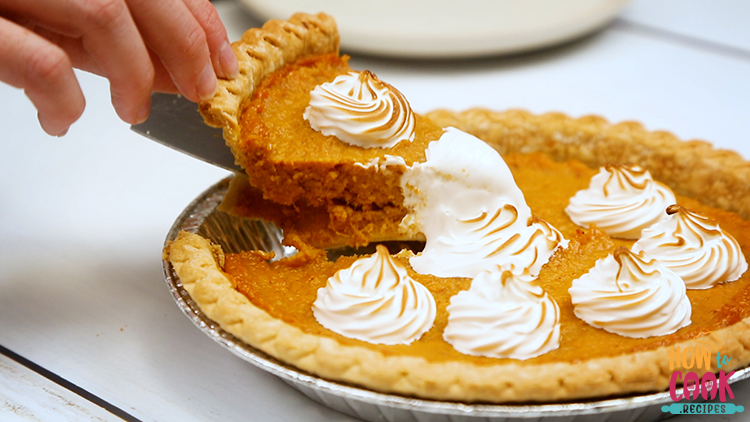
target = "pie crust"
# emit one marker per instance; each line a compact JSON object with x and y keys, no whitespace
{"x":590,"y":139}
{"x":695,"y":169}
{"x":260,"y":52}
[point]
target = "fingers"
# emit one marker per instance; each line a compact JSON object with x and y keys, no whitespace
{"x":162,"y":81}
{"x":165,"y":45}
{"x":222,"y":55}
{"x":45,"y":73}
{"x":109,"y":36}
{"x":173,"y":34}
{"x":82,"y":59}
{"x":114,"y":43}
{"x":185,"y":37}
{"x":78,"y":55}
{"x":139,"y":45}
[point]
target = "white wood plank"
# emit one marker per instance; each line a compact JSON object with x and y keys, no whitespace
{"x":26,"y":396}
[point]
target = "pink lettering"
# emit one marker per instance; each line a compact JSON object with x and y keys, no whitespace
{"x":708,"y":382}
{"x":724,"y":387}
{"x":692,"y":385}
{"x":676,"y":376}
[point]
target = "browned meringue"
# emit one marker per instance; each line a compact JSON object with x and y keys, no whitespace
{"x":695,"y":247}
{"x":360,"y":109}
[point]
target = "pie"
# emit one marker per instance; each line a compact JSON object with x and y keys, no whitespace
{"x":288,"y":161}
{"x":277,"y":305}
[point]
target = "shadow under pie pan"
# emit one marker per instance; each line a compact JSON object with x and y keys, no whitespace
{"x":235,"y":235}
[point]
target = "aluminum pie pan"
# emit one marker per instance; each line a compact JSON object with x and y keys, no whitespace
{"x":235,"y":234}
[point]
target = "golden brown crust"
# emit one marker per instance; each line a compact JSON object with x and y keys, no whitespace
{"x":716,"y":177}
{"x":195,"y":261}
{"x":693,"y":168}
{"x":259,"y":53}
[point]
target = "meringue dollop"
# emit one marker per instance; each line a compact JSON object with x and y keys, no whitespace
{"x":474,"y":217}
{"x":503,"y":316}
{"x":375,"y":300}
{"x":695,"y":247}
{"x":360,"y":109}
{"x":621,"y":201}
{"x":631,"y":295}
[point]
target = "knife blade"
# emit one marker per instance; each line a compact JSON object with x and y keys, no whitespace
{"x":176,"y":123}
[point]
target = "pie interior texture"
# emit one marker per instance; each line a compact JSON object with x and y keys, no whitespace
{"x":268,"y":303}
{"x":288,"y":161}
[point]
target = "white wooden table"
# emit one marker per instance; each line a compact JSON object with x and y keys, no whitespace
{"x":83,"y":304}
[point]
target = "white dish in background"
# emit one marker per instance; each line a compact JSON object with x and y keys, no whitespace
{"x":450,"y":28}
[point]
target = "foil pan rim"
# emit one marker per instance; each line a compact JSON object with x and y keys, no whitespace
{"x":202,"y":208}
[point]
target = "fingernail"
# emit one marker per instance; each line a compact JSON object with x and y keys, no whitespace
{"x":207,"y":83}
{"x":48,"y":127}
{"x":143,"y":112}
{"x":228,"y":61}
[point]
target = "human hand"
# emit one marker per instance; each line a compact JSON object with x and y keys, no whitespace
{"x":140,"y":46}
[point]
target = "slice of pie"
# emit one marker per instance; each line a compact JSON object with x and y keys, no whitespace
{"x":512,"y":298}
{"x":267,"y":124}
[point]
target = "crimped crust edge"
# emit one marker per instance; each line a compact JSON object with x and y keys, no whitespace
{"x":260,"y":52}
{"x":195,"y":261}
{"x":590,"y":139}
{"x":694,"y":168}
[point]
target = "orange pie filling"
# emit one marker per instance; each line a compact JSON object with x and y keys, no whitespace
{"x":287,"y":289}
{"x":524,"y":260}
{"x":521,"y":261}
{"x":524,"y":257}
{"x":292,"y":163}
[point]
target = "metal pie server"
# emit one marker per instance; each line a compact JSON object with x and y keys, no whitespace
{"x":175,"y":122}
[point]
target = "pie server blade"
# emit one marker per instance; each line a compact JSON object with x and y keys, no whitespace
{"x":175,"y":122}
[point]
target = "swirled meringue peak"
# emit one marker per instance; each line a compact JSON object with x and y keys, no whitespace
{"x":695,"y":247}
{"x":474,"y":217}
{"x":631,"y":295}
{"x":360,"y":109}
{"x":621,"y":201}
{"x":375,"y":301}
{"x":503,"y":316}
